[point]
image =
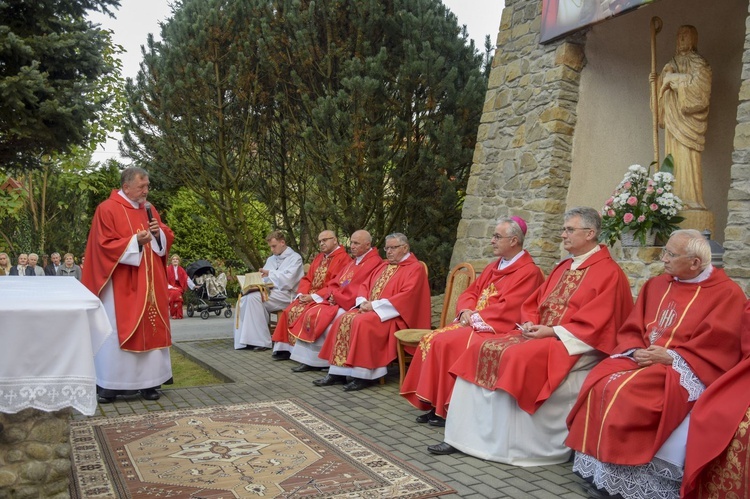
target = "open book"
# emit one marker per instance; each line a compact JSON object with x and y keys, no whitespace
{"x":253,"y":281}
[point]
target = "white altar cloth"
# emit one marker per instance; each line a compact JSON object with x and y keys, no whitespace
{"x":50,"y":329}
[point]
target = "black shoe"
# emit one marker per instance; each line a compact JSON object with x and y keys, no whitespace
{"x":596,"y":493}
{"x":258,"y":349}
{"x":442,"y":448}
{"x":150,"y":394}
{"x":281,"y":355}
{"x":357,"y":384}
{"x":330,"y":379}
{"x":303,"y":368}
{"x":104,"y":400}
{"x":425,"y":418}
{"x":437,"y":421}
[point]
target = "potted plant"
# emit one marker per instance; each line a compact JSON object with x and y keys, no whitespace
{"x":642,"y":207}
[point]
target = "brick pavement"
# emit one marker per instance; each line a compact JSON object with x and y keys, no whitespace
{"x":378,"y":413}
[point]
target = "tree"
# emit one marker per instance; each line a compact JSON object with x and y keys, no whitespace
{"x":52,"y":61}
{"x":334,"y":114}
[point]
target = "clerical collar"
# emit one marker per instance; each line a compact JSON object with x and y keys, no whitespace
{"x":507,"y":263}
{"x":331,"y":252}
{"x":285,"y":253}
{"x":359,"y":258}
{"x":405,"y":257}
{"x":578,"y":260}
{"x":132,"y":203}
{"x":700,"y":277}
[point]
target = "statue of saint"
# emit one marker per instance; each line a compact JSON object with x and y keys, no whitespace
{"x":684,"y":89}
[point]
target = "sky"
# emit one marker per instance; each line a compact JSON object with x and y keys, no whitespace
{"x":135,"y":19}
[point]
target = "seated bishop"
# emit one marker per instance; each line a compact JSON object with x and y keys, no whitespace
{"x":282,"y":273}
{"x":362,"y":341}
{"x":490,"y":306}
{"x":682,"y":335}
{"x":331,"y":259}
{"x":310,"y":330}
{"x":513,"y":392}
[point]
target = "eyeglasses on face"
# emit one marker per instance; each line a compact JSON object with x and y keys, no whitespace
{"x":321,"y":241}
{"x":669,"y":254}
{"x":390,"y":248}
{"x":570,"y":230}
{"x":497,"y":236}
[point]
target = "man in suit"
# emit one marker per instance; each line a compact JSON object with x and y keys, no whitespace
{"x":51,"y":269}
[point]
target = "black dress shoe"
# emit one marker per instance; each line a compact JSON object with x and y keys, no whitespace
{"x":330,"y":379}
{"x":303,"y":368}
{"x":357,"y":384}
{"x":281,"y":355}
{"x":425,"y":418}
{"x":104,"y":400}
{"x":442,"y":448}
{"x":258,"y":349}
{"x":150,"y":394}
{"x":437,"y":421}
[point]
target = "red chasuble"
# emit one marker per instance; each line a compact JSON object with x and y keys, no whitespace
{"x":717,"y":463}
{"x":341,"y":292}
{"x":361,"y":339}
{"x":497,"y":297}
{"x":140,"y":293}
{"x":591,"y":302}
{"x":322,"y":270}
{"x":624,"y":413}
{"x":179,"y":285}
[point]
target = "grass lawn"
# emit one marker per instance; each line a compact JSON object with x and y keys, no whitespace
{"x":187,"y":373}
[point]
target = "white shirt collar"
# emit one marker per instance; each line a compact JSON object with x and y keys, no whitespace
{"x":578,"y":260}
{"x":700,"y":277}
{"x":132,"y":203}
{"x":507,"y":263}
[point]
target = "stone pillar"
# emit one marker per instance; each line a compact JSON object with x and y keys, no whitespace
{"x":523,"y":154}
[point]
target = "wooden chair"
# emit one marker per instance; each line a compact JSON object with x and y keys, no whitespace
{"x":461,"y":276}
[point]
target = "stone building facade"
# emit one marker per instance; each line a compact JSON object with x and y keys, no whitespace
{"x":524,"y":153}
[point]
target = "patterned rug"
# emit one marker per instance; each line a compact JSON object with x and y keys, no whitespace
{"x":269,"y":449}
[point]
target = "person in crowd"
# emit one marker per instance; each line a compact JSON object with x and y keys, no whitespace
{"x":177,"y":283}
{"x":311,"y":329}
{"x":22,"y":267}
{"x":33,"y":263}
{"x":331,"y":259}
{"x":51,"y":268}
{"x":682,"y":335}
{"x":284,"y":270}
{"x":126,"y":250}
{"x":69,"y":267}
{"x":83,"y":258}
{"x":489,"y":307}
{"x":513,"y":392}
{"x":5,"y":265}
{"x":717,"y":463}
{"x":362,"y":343}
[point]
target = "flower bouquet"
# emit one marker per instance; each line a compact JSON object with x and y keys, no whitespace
{"x":642,"y":204}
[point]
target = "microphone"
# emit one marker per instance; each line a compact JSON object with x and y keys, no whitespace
{"x":147,"y":205}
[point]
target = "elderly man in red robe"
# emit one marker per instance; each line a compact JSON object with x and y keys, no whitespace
{"x":326,"y":264}
{"x":311,"y":329}
{"x":717,"y":463}
{"x":490,"y":306}
{"x":177,"y":283}
{"x":362,"y":343}
{"x":126,"y":258}
{"x":682,"y":335}
{"x":513,"y":392}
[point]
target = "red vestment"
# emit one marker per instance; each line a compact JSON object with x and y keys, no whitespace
{"x":179,"y":285}
{"x":140,"y":293}
{"x":717,"y":461}
{"x":590,"y":302}
{"x":322,"y":270}
{"x":361,"y":339}
{"x":497,"y":297}
{"x":624,"y":413}
{"x":341,"y":292}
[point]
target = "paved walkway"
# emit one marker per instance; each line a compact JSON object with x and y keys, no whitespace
{"x":378,"y":413}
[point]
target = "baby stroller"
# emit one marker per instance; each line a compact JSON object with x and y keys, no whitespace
{"x":210,"y":290}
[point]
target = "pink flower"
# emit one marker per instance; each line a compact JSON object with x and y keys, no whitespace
{"x":628,"y":218}
{"x":611,"y":213}
{"x":627,"y":185}
{"x":650,"y":183}
{"x":632,"y":201}
{"x":659,"y":190}
{"x":641,"y":218}
{"x":610,"y":201}
{"x":653,"y":206}
{"x":649,"y":190}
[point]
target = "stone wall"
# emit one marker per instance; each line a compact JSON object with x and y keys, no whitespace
{"x":523,"y":154}
{"x":34,"y":454}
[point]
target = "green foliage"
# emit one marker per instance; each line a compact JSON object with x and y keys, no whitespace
{"x":53,"y":67}
{"x":333,"y":114}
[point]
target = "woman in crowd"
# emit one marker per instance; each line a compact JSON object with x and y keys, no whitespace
{"x":69,"y":267}
{"x":177,"y":283}
{"x":4,"y":264}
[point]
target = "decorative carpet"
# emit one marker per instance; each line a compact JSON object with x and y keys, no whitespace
{"x":268,"y":449}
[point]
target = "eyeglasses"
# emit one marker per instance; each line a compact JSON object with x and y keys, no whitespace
{"x":321,"y":241}
{"x":389,"y":248}
{"x":498,"y":236}
{"x":570,"y":230}
{"x":669,"y":254}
